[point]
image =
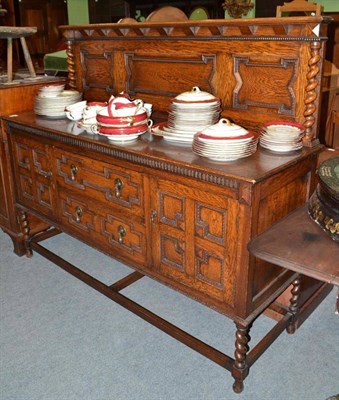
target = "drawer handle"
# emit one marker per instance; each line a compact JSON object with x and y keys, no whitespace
{"x":74,"y":171}
{"x":46,"y":174}
{"x":118,"y":187}
{"x":121,"y":233}
{"x":154,"y":214}
{"x":78,"y":213}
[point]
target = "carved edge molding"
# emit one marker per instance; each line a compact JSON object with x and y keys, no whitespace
{"x":134,"y":158}
{"x":250,"y":29}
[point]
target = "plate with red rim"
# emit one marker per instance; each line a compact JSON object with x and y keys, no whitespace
{"x":283,"y":126}
{"x":121,"y":138}
{"x":282,"y":149}
{"x":162,"y":130}
{"x":249,"y":136}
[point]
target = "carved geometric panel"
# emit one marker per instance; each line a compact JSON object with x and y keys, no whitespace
{"x":78,"y":214}
{"x":142,"y":70}
{"x":172,"y":210}
{"x":265,"y":84}
{"x":210,"y":223}
{"x":123,"y":234}
{"x":97,"y":71}
{"x":23,"y":155}
{"x":172,"y":252}
{"x":209,"y":268}
{"x":26,"y":187}
{"x":69,"y":168}
{"x":41,"y":162}
{"x":116,"y":186}
{"x":44,"y":194}
{"x":100,"y":181}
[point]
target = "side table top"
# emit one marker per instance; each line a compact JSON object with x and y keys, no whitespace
{"x":16,"y":31}
{"x":299,"y":244}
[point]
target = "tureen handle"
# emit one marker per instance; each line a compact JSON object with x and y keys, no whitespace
{"x":224,"y":121}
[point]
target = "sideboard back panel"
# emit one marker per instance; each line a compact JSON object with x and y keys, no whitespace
{"x":261,"y":69}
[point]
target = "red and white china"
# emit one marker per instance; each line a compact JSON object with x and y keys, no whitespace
{"x":225,"y":141}
{"x":282,"y":137}
{"x":190,"y":112}
{"x":122,"y":106}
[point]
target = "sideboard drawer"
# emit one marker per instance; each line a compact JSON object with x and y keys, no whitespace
{"x":118,"y":235}
{"x":110,"y":184}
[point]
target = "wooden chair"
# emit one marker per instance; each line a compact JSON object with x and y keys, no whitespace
{"x":300,"y":6}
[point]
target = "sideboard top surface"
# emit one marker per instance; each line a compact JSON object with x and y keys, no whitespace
{"x":159,"y":154}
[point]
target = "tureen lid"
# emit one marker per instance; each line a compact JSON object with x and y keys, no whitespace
{"x":195,"y":95}
{"x":225,"y":128}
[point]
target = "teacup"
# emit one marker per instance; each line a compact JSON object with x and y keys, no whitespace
{"x":91,"y":110}
{"x":74,"y":115}
{"x":74,"y":111}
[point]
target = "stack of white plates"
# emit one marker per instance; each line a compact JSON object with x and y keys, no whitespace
{"x":52,"y":90}
{"x":225,"y":142}
{"x":190,"y":112}
{"x":54,"y":106}
{"x":282,"y":137}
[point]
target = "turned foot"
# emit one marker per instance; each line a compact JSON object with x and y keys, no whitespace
{"x":238,"y":386}
{"x":240,"y":367}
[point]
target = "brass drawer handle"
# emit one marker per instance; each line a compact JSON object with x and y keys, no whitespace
{"x":46,"y":174}
{"x":78,"y":213}
{"x":121,"y":234}
{"x":118,"y":184}
{"x":74,"y":171}
{"x":154,"y":214}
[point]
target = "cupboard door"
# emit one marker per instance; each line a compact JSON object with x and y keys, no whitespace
{"x":195,"y":239}
{"x":33,"y":175}
{"x":4,"y":212}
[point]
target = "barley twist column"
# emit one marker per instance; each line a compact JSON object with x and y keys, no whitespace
{"x":70,"y":63}
{"x":311,"y":92}
{"x":240,"y":367}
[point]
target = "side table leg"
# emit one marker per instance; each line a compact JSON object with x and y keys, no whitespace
{"x":27,"y":57}
{"x":24,"y":224}
{"x":240,"y":367}
{"x":293,"y":308}
{"x":9,"y":60}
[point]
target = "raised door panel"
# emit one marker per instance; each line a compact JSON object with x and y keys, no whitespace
{"x":33,"y":175}
{"x":194,"y":237}
{"x":4,"y":212}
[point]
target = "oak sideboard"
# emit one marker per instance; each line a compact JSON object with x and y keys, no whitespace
{"x":154,"y":205}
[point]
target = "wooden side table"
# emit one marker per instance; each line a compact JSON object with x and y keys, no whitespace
{"x":299,"y":244}
{"x":14,"y":32}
